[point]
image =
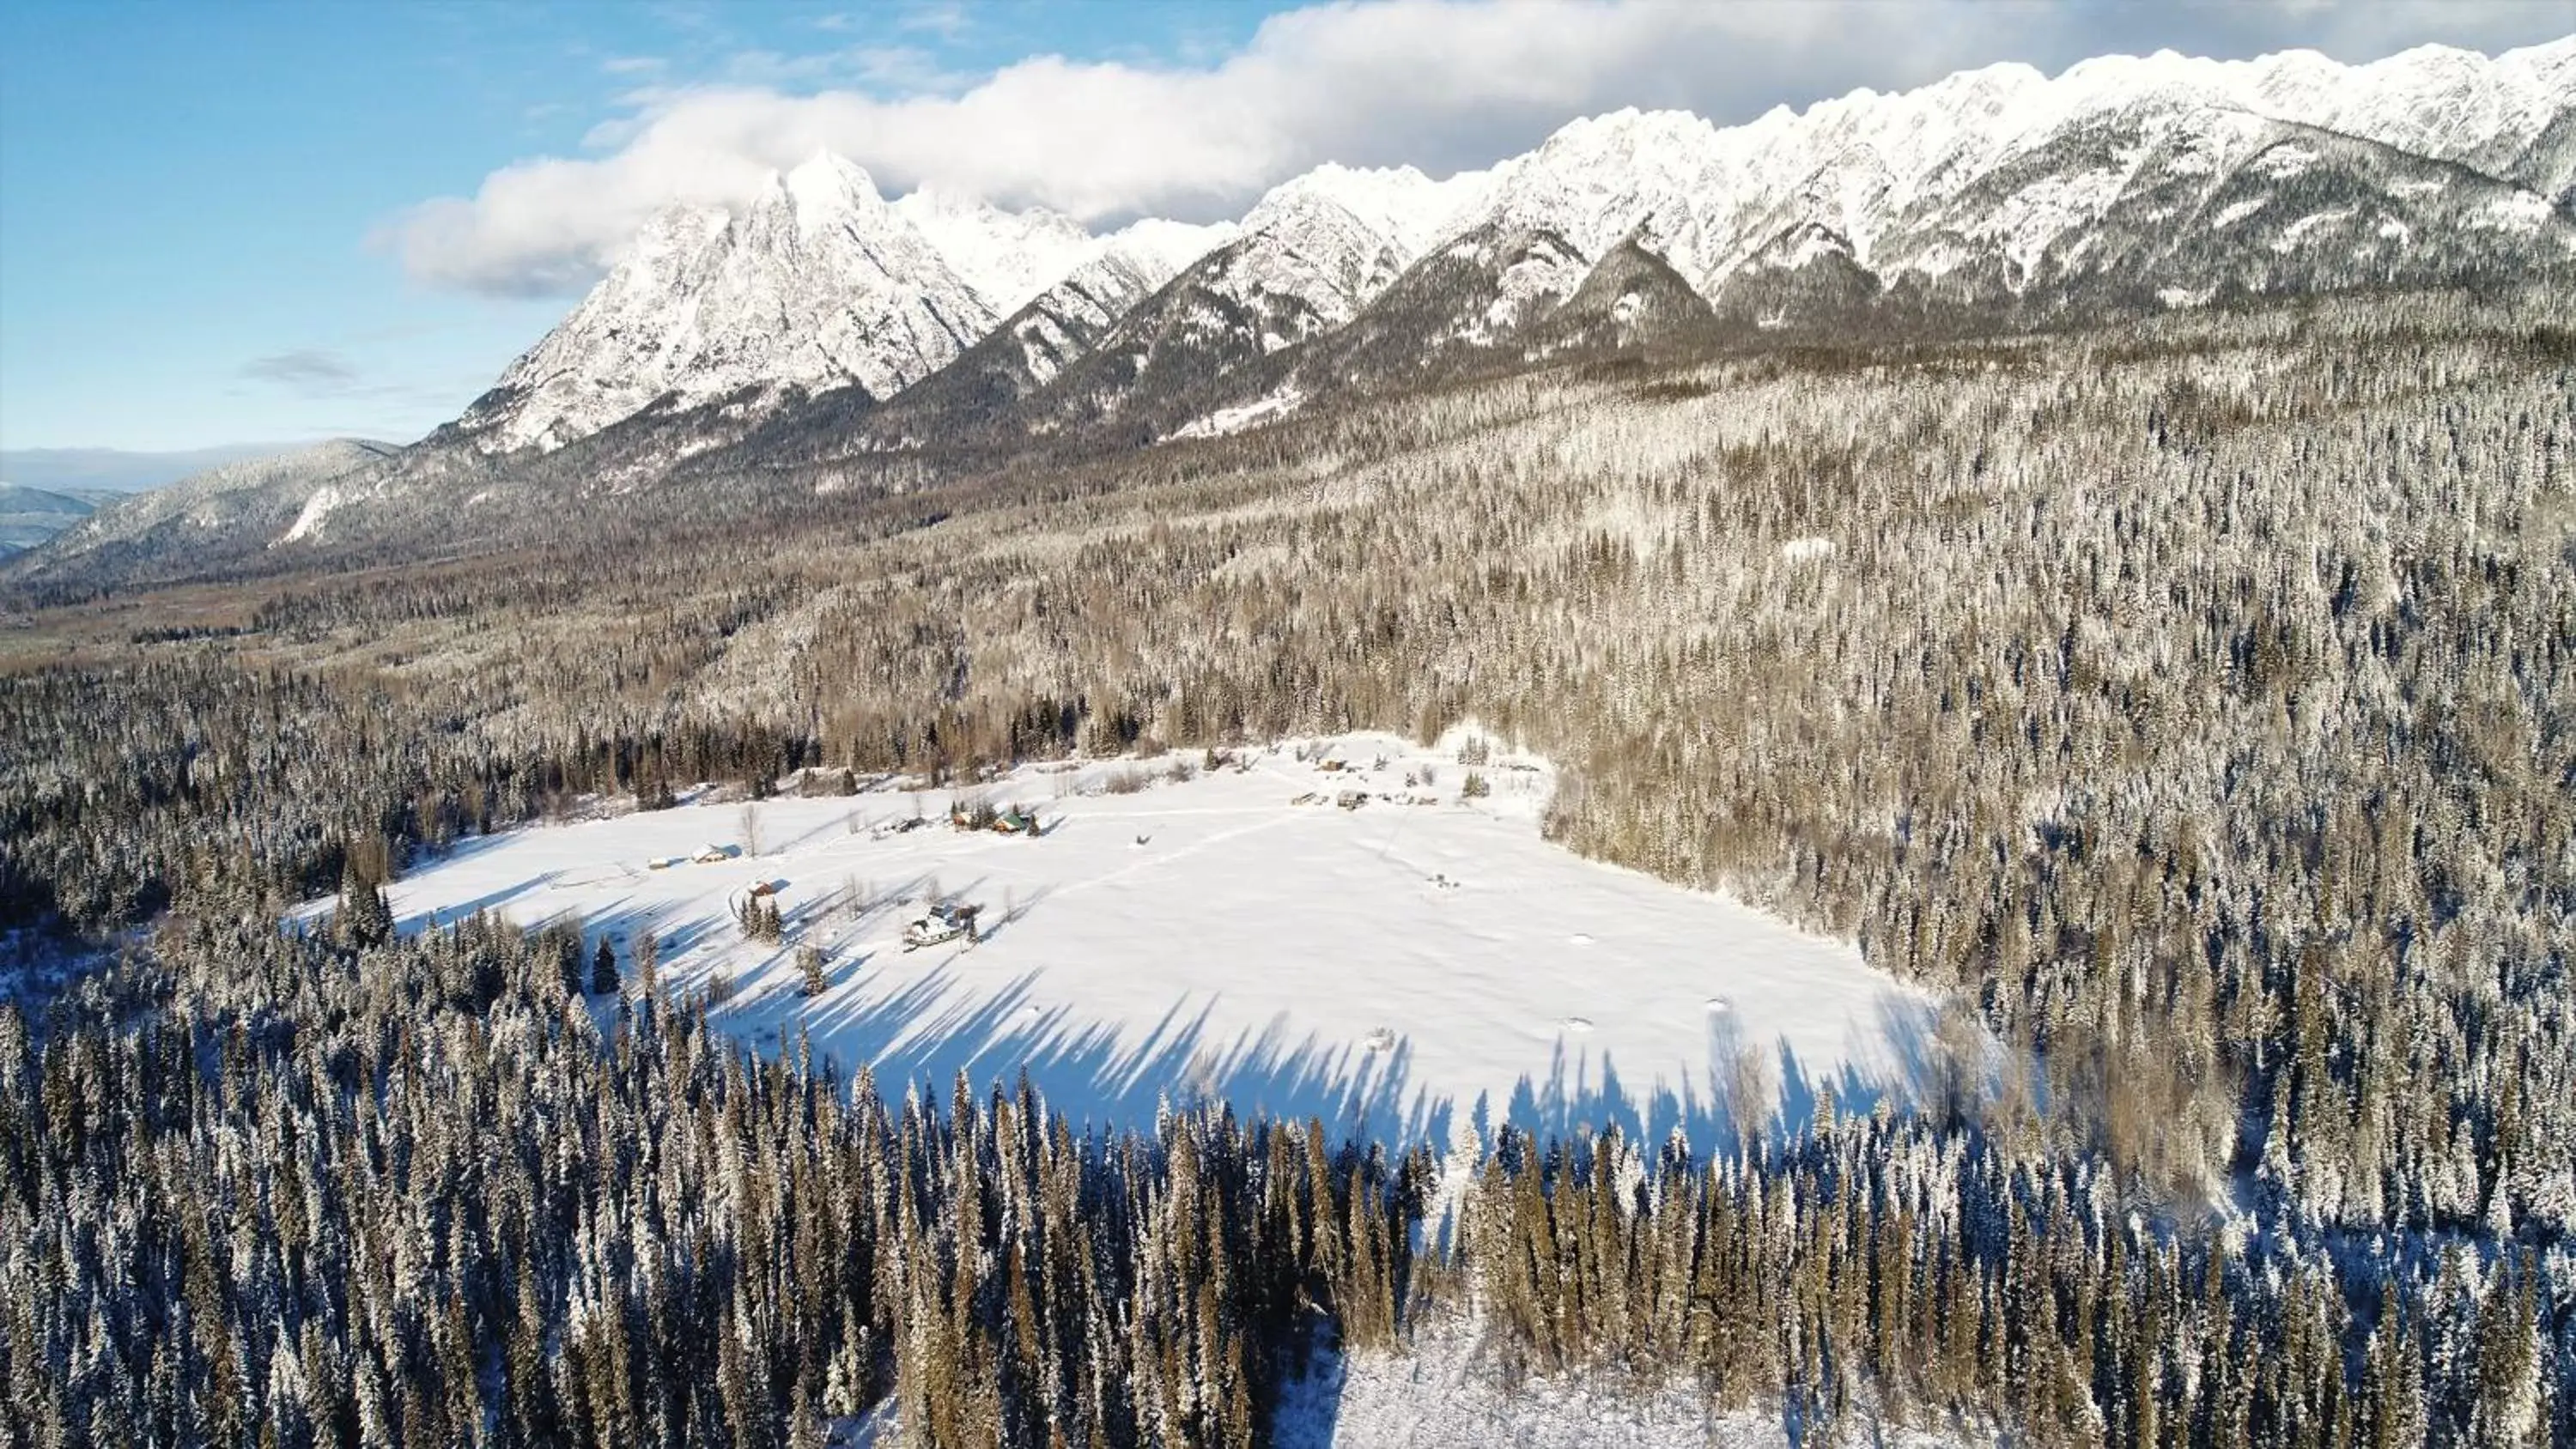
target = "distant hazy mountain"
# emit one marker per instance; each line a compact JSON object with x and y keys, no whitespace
{"x":198,"y":522}
{"x":115,"y":470}
{"x":29,"y":516}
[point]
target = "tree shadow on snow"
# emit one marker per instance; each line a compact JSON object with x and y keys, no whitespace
{"x":948,"y":1016}
{"x":1749,"y":1091}
{"x":950,"y":1019}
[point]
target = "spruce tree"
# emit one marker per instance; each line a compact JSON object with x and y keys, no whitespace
{"x":603,"y":969}
{"x":565,"y":946}
{"x":365,"y":920}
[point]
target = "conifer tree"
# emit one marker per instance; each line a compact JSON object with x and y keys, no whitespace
{"x":365,"y":919}
{"x":563,"y":944}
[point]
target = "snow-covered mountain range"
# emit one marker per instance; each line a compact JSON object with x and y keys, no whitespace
{"x":2006,"y":165}
{"x":820,"y":283}
{"x":2154,"y":177}
{"x":824,"y":320}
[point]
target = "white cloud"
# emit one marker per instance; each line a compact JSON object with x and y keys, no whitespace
{"x":305,"y":369}
{"x":1442,"y":84}
{"x":946,"y":19}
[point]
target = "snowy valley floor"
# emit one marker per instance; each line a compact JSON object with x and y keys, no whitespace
{"x":1401,"y":969}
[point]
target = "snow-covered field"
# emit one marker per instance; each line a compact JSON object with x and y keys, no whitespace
{"x":1443,"y":1392}
{"x":1401,"y":968}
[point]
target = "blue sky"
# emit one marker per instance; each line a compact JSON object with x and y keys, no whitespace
{"x":287,"y":221}
{"x":190,"y":195}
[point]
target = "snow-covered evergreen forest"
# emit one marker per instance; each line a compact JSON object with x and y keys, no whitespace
{"x":2192,"y":702}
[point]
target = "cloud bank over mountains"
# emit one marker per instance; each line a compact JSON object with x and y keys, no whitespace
{"x":1444,"y":85}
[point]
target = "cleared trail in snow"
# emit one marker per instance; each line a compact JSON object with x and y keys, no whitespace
{"x":1402,"y":976}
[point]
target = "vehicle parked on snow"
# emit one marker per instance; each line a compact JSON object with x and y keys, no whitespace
{"x":945,"y":922}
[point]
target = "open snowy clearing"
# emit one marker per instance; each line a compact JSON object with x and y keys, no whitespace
{"x":1445,"y":1392}
{"x":1392,"y":957}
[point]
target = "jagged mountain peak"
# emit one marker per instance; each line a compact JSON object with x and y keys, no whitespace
{"x":2549,"y":64}
{"x":817,"y":283}
{"x":1632,"y":299}
{"x":1165,"y":247}
{"x":677,"y":229}
{"x":1397,"y":203}
{"x":1596,"y":180}
{"x":820,"y":198}
{"x":1009,"y":257}
{"x":1628,"y":129}
{"x":826,"y":187}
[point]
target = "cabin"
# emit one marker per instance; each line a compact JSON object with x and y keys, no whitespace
{"x":1352,"y":799}
{"x":710,"y":854}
